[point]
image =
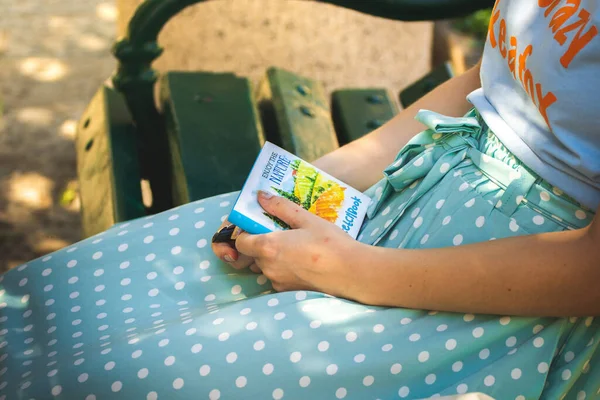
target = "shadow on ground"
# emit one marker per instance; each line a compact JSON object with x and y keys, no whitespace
{"x":53,"y":56}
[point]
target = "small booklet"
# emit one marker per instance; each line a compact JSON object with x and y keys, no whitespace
{"x":283,"y":174}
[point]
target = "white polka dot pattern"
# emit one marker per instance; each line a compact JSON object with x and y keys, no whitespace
{"x":145,"y":310}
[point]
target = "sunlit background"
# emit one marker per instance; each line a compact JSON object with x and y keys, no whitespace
{"x":53,"y":56}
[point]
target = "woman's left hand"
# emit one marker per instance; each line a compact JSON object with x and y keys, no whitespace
{"x":314,"y":255}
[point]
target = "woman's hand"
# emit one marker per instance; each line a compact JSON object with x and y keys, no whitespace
{"x":313,"y":255}
{"x":230,"y":255}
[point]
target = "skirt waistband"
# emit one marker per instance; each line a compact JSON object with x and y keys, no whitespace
{"x":450,"y":141}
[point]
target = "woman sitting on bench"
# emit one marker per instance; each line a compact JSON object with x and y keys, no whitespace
{"x":487,"y":220}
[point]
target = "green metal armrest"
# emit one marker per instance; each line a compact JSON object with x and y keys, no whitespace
{"x":414,"y":10}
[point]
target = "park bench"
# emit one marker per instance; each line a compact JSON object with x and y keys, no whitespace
{"x":211,"y":125}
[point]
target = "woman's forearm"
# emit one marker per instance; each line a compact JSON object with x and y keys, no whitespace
{"x":360,"y":163}
{"x":550,"y":274}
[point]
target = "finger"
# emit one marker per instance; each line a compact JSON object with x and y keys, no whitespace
{"x":222,"y":246}
{"x":250,"y":245}
{"x":255,"y":268}
{"x":242,"y":262}
{"x":234,"y":258}
{"x":225,"y":252}
{"x":278,"y":287}
{"x":286,"y":210}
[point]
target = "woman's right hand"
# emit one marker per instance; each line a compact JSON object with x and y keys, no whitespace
{"x":231,"y":256}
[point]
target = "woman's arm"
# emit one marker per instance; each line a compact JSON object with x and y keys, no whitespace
{"x":549,"y":274}
{"x":360,"y":163}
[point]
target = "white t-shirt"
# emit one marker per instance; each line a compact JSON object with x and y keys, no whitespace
{"x":540,"y":94}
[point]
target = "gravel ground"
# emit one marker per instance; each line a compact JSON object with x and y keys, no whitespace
{"x":53,"y":57}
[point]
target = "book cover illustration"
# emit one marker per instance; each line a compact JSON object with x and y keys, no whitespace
{"x":281,"y":173}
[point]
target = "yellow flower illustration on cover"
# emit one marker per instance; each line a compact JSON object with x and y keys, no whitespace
{"x":314,"y":192}
{"x":327,"y":204}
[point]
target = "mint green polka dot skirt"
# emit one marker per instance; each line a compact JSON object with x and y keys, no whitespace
{"x":145,"y":311}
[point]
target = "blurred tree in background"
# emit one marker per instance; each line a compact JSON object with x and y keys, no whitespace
{"x":476,"y":24}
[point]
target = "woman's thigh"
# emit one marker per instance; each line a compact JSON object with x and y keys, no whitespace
{"x":146,"y":310}
{"x":89,"y":307}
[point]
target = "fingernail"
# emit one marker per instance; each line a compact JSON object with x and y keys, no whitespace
{"x":265,"y":195}
{"x":228,"y":258}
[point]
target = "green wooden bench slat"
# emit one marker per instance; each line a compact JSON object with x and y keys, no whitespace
{"x":107,"y":164}
{"x":296,"y":114}
{"x":357,"y":112}
{"x":214,"y":132}
{"x":426,"y":84}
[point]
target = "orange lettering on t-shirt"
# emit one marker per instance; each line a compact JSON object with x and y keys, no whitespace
{"x":517,"y":63}
{"x":580,"y":40}
{"x":502,"y":38}
{"x":523,"y":60}
{"x":563,"y":14}
{"x":528,"y":83}
{"x":551,"y":4}
{"x":512,"y":55}
{"x":544,"y":101}
{"x":493,"y":19}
